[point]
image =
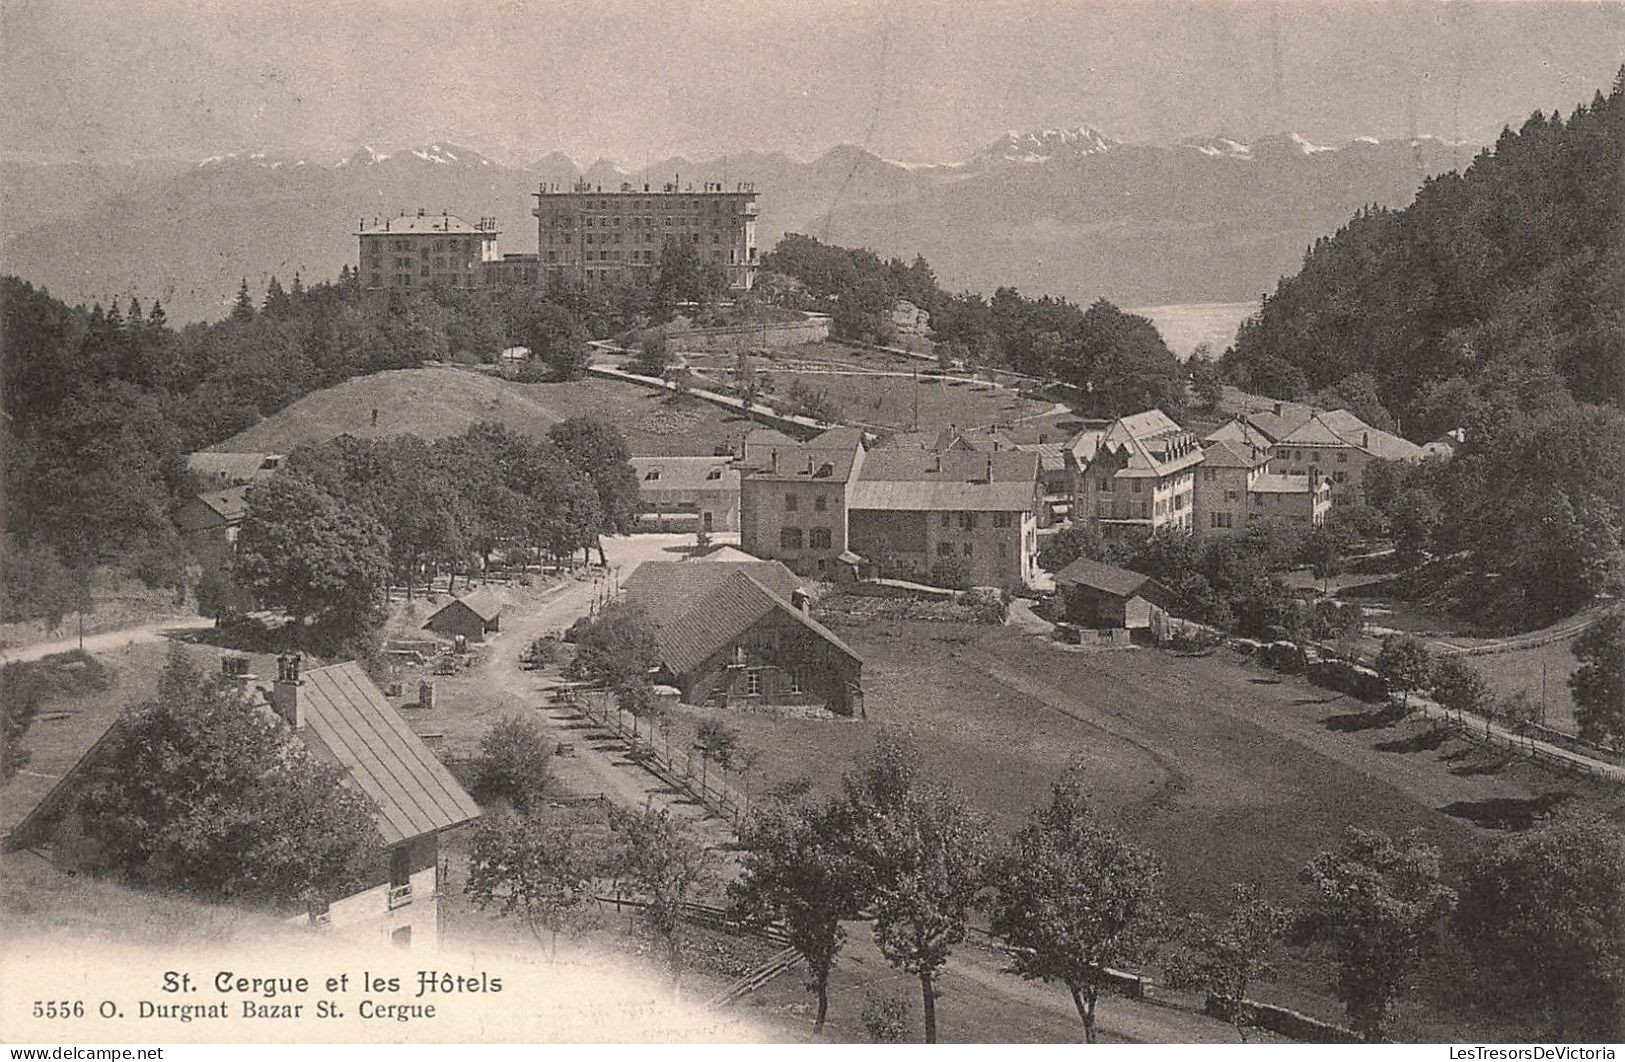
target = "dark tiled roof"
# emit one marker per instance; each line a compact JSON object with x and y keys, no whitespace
{"x":424,"y":225}
{"x":1232,"y":453}
{"x":229,"y":503}
{"x":733,"y":607}
{"x":1100,"y":576}
{"x":348,"y":720}
{"x":909,"y":480}
{"x":483,"y":603}
{"x":670,"y":588}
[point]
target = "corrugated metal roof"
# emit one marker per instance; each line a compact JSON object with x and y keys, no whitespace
{"x":722,"y":616}
{"x":348,"y":719}
{"x":1098,"y":575}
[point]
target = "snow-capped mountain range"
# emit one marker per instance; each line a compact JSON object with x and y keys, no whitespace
{"x":1074,"y":211}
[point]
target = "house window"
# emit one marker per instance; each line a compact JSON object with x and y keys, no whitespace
{"x":1001,"y":519}
{"x":651,"y":475}
{"x":1106,"y":484}
{"x":945,"y":549}
{"x":819,"y":538}
{"x":790,"y":538}
{"x":967,"y":549}
{"x":1139,"y":487}
{"x":947,"y":518}
{"x":1342,"y":457}
{"x":715,"y":473}
{"x":401,"y":937}
{"x":795,"y":680}
{"x":753,"y":683}
{"x":1340,"y":476}
{"x":820,"y":503}
{"x":791,"y":503}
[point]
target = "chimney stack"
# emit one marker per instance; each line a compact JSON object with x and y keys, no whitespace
{"x":799,"y":600}
{"x":774,"y":460}
{"x":1277,"y":409}
{"x":1365,"y":438}
{"x":285,"y":693}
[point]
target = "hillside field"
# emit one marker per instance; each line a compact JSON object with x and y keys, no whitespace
{"x":1228,"y":771}
{"x":436,"y":401}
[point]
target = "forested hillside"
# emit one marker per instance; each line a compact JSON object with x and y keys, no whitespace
{"x":1496,"y":281}
{"x":1492,"y":304}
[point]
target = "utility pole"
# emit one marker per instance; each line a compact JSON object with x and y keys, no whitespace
{"x":916,"y":390}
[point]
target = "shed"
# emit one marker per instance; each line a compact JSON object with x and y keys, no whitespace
{"x":473,"y":616}
{"x":1100,"y":596}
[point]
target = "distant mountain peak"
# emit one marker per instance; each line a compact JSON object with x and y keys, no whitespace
{"x":1048,"y":145}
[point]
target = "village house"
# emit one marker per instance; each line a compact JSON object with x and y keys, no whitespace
{"x":915,"y":512}
{"x":688,"y":493}
{"x":471,"y":616}
{"x":209,"y":523}
{"x":1100,"y":596}
{"x":1136,"y":475}
{"x":344,"y":720}
{"x":737,"y":634}
{"x":232,"y":469}
{"x":830,"y":507}
{"x":794,"y":502}
{"x":1336,"y":443}
{"x":1234,"y":490}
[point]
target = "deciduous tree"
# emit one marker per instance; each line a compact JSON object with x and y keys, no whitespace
{"x":664,"y":863}
{"x":1225,"y":957}
{"x":1377,"y":902}
{"x":797,"y":870}
{"x":1075,"y":897}
{"x":923,"y":854}
{"x":525,"y":869}
{"x":1598,"y":683}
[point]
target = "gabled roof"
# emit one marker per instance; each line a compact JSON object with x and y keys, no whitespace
{"x":1280,"y":420}
{"x":967,"y":480}
{"x":1148,"y":444}
{"x":1051,"y":456}
{"x":731,"y":608}
{"x":669,"y":588}
{"x":1315,"y":432}
{"x":1281,"y":483}
{"x":1097,"y":575}
{"x":1227,"y":453}
{"x":349,"y":724}
{"x":483,"y":602}
{"x":725,"y":554}
{"x":232,"y":467}
{"x":348,"y":721}
{"x":228,"y":503}
{"x":836,"y":438}
{"x":686,"y":473}
{"x":806,"y":463}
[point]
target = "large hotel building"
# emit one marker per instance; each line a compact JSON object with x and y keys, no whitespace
{"x":586,"y":233}
{"x":598,"y":236}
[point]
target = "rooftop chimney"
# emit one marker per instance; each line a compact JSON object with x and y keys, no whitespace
{"x":1277,"y":409}
{"x":774,"y":460}
{"x":809,"y":464}
{"x":800,"y":600}
{"x":285,"y":693}
{"x":1365,"y":438}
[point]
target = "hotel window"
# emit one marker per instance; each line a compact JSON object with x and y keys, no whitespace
{"x":1001,"y":519}
{"x":753,"y":683}
{"x":819,"y":538}
{"x":1342,"y":457}
{"x":820,"y":503}
{"x":1340,"y":476}
{"x":790,"y":538}
{"x":1139,"y":487}
{"x":947,"y":518}
{"x":945,"y":549}
{"x":791,"y":503}
{"x":967,"y":549}
{"x":795,"y":680}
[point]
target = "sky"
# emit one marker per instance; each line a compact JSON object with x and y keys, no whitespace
{"x":912,"y":80}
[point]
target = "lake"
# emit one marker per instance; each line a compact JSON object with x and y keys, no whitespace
{"x":1185,"y":324}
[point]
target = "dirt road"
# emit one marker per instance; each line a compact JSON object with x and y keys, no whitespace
{"x":105,"y":641}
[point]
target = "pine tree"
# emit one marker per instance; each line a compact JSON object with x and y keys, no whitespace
{"x":157,"y":320}
{"x":277,"y":304}
{"x":243,"y":308}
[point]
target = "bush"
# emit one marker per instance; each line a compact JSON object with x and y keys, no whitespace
{"x":986,"y":604}
{"x":512,"y":764}
{"x":886,"y":1018}
{"x":26,"y":685}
